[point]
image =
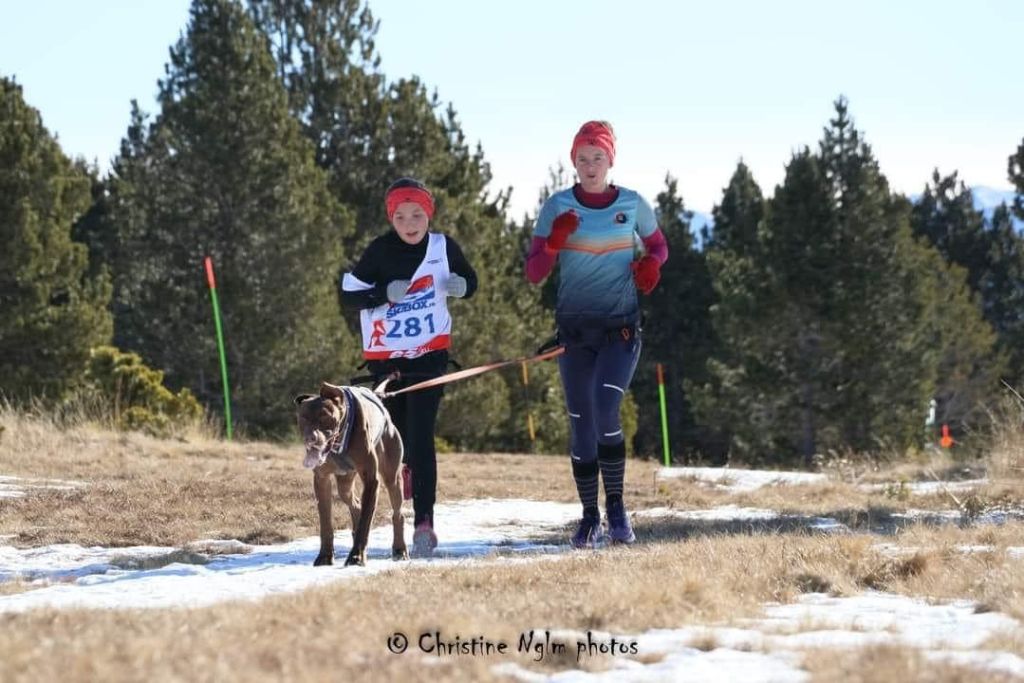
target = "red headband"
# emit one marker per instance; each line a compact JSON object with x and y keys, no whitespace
{"x":401,"y":195}
{"x":597,"y":134}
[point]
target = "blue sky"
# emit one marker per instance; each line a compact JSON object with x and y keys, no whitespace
{"x":691,"y":87}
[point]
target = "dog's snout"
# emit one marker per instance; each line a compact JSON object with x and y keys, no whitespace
{"x":313,"y":459}
{"x":316,"y":446}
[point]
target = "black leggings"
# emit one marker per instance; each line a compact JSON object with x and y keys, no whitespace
{"x":415,"y":415}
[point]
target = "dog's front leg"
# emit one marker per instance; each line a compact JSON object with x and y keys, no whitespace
{"x":345,"y":484}
{"x":390,"y":468}
{"x":322,"y":489}
{"x":361,"y":533}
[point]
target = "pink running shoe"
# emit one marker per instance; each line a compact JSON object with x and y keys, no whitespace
{"x":424,"y":540}
{"x":406,"y":482}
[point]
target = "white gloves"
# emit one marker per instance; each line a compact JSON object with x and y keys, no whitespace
{"x":456,"y":286}
{"x":397,"y":290}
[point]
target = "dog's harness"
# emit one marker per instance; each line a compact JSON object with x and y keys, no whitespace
{"x":337,"y":446}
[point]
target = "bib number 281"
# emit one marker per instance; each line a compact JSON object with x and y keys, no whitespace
{"x":411,"y":327}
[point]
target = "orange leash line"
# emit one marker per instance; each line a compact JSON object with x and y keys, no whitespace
{"x":463,"y":374}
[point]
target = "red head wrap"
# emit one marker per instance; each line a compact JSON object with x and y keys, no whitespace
{"x":403,"y":194}
{"x":598,"y":134}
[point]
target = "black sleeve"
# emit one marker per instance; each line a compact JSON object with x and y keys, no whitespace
{"x":458,"y":264}
{"x":367,"y":270}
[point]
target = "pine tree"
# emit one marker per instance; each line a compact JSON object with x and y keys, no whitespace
{"x":735,"y":400}
{"x":1015,"y":169}
{"x":366,"y":131}
{"x":1001,"y":288}
{"x":834,"y":324}
{"x":991,"y":256}
{"x":737,"y":219}
{"x":946,"y":217}
{"x":883,"y":376}
{"x":52,"y":311}
{"x":677,"y":334}
{"x":224,"y":171}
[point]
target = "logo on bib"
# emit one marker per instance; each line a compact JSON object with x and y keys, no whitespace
{"x":378,"y":333}
{"x":421,"y":294}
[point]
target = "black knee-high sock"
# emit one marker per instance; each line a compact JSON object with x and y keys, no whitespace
{"x":612,"y":461}
{"x":585,"y":474}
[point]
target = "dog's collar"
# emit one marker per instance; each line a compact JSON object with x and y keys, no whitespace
{"x":338,"y":445}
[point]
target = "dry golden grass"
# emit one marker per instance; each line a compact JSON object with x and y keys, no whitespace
{"x":1007,"y":444}
{"x":14,"y":586}
{"x":908,"y":467}
{"x":1005,"y":642}
{"x":682,"y":572}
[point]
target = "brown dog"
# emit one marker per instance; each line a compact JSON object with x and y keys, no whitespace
{"x":347,"y":430}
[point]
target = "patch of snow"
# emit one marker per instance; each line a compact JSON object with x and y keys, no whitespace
{"x":734,"y":513}
{"x":738,"y":480}
{"x":922,"y":488}
{"x":768,"y":648}
{"x":720,"y":513}
{"x":682,"y":664}
{"x":827,"y":525}
{"x":18,"y":487}
{"x":71,"y":575}
{"x":909,"y":621}
{"x":997,"y":662}
{"x":893,"y":550}
{"x":997,"y":517}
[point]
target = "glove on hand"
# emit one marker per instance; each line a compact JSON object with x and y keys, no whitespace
{"x":456,"y":286}
{"x":564,"y":225}
{"x":646,"y":273}
{"x":397,"y":290}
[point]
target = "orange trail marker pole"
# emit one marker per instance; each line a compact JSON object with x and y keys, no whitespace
{"x":946,"y":441}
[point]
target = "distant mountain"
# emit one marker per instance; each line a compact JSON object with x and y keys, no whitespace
{"x":698,"y":221}
{"x":988,"y":199}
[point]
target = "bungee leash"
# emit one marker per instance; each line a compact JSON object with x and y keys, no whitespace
{"x":544,"y":353}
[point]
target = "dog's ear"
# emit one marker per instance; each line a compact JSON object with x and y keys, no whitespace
{"x":302,"y":398}
{"x":331,"y":391}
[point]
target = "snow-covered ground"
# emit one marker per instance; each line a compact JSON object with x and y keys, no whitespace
{"x":769,"y":648}
{"x":17,"y":487}
{"x":894,"y":550}
{"x":733,"y":513}
{"x":744,"y":481}
{"x":740,"y":481}
{"x":147,"y":576}
{"x":924,"y":488}
{"x":480,"y":531}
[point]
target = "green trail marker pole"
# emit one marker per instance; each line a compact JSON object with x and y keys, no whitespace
{"x":220,"y":345}
{"x":664,"y":414}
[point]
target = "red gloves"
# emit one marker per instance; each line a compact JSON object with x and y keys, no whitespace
{"x":564,"y":225}
{"x":646,"y":273}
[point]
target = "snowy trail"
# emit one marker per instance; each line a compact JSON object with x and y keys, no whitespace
{"x":768,"y":648}
{"x":127,"y":577}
